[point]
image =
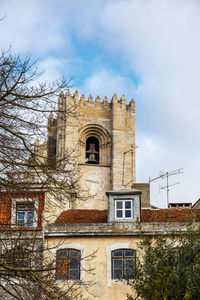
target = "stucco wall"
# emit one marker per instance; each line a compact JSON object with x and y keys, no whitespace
{"x":94,"y":181}
{"x":104,"y":287}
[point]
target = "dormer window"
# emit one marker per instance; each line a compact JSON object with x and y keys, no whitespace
{"x":124,"y":205}
{"x":123,"y":209}
{"x":92,"y":150}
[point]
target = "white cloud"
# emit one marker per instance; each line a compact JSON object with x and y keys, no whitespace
{"x":105,"y":83}
{"x":33,"y":26}
{"x":51,"y":69}
{"x":159,"y":40}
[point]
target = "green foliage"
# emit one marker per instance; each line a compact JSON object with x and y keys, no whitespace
{"x":169,"y":268}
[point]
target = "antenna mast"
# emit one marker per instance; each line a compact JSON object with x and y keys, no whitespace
{"x":166,"y":175}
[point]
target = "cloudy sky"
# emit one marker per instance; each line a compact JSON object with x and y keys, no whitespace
{"x":148,"y":50}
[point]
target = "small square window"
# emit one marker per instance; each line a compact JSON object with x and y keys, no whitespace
{"x":25,"y":214}
{"x":124,"y":209}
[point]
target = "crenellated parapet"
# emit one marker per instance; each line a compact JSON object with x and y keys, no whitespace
{"x":69,"y":99}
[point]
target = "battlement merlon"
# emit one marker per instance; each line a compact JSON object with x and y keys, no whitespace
{"x":52,"y":122}
{"x":71,"y":107}
{"x":76,"y":99}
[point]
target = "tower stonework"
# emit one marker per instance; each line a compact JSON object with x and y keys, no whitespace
{"x":110,"y":127}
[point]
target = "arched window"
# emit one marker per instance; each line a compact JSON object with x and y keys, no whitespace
{"x":101,"y":139}
{"x":123,"y":263}
{"x":92,"y":150}
{"x":68,"y":264}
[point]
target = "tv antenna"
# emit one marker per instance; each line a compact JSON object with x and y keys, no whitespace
{"x":166,"y":175}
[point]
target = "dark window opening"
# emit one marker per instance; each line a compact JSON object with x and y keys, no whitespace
{"x":92,"y":150}
{"x":68,"y":264}
{"x":123,"y":263}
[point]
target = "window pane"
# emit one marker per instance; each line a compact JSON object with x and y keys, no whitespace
{"x":129,"y":272}
{"x":117,"y":253}
{"x":127,"y":204}
{"x":74,"y":274}
{"x":119,"y":204}
{"x":129,"y":263}
{"x":21,"y":208}
{"x":62,"y":254}
{"x":73,"y":254}
{"x":30,"y":219}
{"x":74,"y":265}
{"x":30,"y":207}
{"x":129,"y":253}
{"x":119,"y":213}
{"x":117,"y":263}
{"x":62,"y":267}
{"x":20,"y":218}
{"x":127,"y":213}
{"x":117,"y":274}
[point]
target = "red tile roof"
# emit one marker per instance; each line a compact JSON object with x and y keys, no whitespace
{"x":78,"y":216}
{"x":170,"y":215}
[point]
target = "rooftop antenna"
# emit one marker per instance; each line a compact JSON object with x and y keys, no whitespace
{"x":166,"y":175}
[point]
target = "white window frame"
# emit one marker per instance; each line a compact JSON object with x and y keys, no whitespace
{"x":32,"y":201}
{"x":28,"y":208}
{"x":124,"y":259}
{"x":74,"y":246}
{"x":109,"y":249}
{"x":123,"y":201}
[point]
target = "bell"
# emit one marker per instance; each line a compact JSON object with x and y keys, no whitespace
{"x":92,"y":152}
{"x":92,"y":159}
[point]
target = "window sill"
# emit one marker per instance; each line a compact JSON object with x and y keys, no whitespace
{"x":125,"y":221}
{"x":69,"y":281}
{"x":95,"y":165}
{"x":120,"y":281}
{"x":24,"y":228}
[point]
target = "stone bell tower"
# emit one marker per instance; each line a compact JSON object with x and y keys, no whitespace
{"x":101,"y":137}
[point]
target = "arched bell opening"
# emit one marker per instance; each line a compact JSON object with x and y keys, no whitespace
{"x":92,"y":150}
{"x":100,"y":137}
